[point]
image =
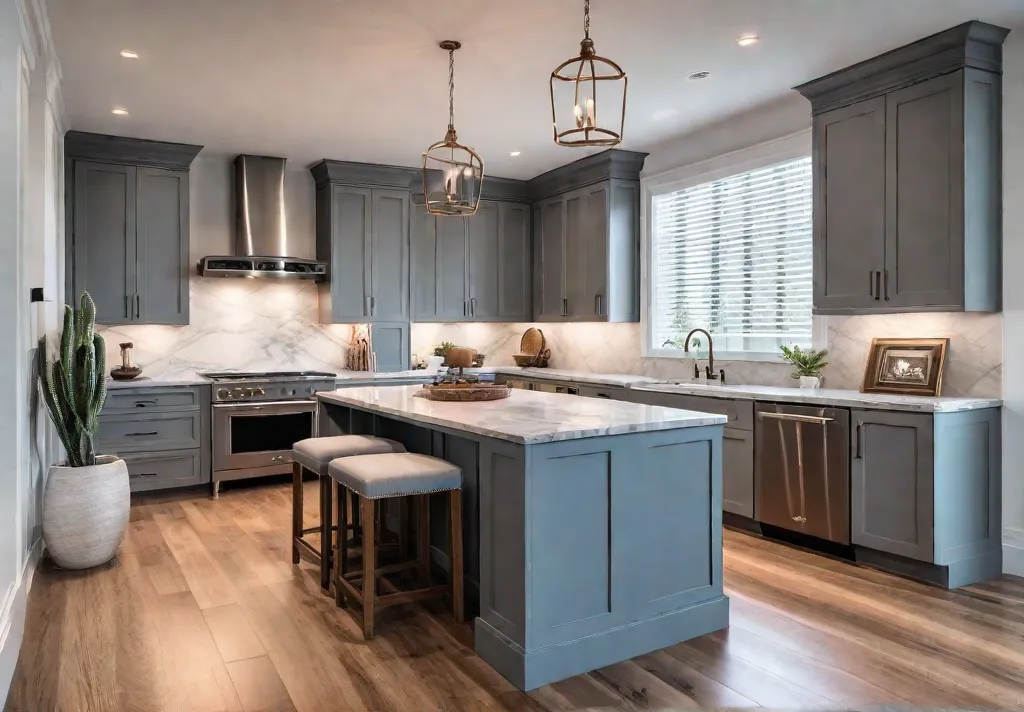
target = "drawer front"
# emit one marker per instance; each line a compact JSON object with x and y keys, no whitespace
{"x":740,"y":413}
{"x":119,"y":434}
{"x":164,"y":470}
{"x":140,"y":401}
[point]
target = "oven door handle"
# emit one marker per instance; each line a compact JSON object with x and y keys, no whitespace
{"x":273,"y":406}
{"x":794,"y":417}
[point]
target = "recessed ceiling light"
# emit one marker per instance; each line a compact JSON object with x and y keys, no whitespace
{"x":119,"y":112}
{"x":747,"y":40}
{"x":129,"y":54}
{"x":514,"y":153}
{"x":699,"y":75}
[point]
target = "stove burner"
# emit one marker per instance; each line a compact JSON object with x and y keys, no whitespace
{"x":257,"y":375}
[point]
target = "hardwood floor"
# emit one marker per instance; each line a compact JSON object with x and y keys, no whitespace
{"x":202,"y":610}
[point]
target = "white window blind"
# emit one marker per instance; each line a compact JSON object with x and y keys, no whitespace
{"x":733,"y":256}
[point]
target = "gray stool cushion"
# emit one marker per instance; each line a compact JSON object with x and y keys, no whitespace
{"x":395,"y":474}
{"x":315,"y":454}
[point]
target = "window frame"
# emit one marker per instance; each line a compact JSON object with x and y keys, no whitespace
{"x":793,"y":146}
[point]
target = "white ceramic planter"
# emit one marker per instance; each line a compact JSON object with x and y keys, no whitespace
{"x":809,"y":381}
{"x":85,"y":512}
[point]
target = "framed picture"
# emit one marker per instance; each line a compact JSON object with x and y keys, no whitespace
{"x":905,"y":366}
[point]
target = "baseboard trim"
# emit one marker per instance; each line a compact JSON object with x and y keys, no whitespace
{"x":12,"y":617}
{"x":1013,"y":551}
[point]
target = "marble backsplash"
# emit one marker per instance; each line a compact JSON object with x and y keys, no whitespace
{"x":247,"y":324}
{"x":266,"y":325}
{"x":973,"y":366}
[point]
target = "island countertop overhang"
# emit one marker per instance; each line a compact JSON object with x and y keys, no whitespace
{"x":526,"y":417}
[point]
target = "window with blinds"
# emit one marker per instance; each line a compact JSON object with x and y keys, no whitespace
{"x":733,"y":256}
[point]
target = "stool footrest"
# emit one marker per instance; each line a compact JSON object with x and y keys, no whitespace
{"x":384,"y":570}
{"x":304,"y":547}
{"x":420,"y":594}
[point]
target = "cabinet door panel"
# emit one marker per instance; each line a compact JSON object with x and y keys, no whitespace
{"x":849,"y":205}
{"x":350,"y":253}
{"x":738,"y":472}
{"x":924,"y":250}
{"x":390,"y":255}
{"x":425,"y":255}
{"x":891,"y":483}
{"x":595,"y":295}
{"x":514,"y":255}
{"x":104,"y":239}
{"x":579,"y":301}
{"x":484,"y":263}
{"x":391,"y":344}
{"x":162,"y":246}
{"x":453,"y":275}
{"x":551,"y":263}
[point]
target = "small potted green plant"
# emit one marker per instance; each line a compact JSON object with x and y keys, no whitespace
{"x":808,"y":364}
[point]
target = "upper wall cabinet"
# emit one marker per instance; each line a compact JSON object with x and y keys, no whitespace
{"x":127,"y":206}
{"x":362,"y":233}
{"x":908,"y":178}
{"x":476,"y":268}
{"x":586,"y":239}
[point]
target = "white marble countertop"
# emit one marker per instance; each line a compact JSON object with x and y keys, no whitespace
{"x":370,"y":376}
{"x":826,"y":396}
{"x":181,"y":378}
{"x":561,"y":374}
{"x":526,"y":417}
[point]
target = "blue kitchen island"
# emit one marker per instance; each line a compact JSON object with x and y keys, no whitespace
{"x":592,"y":528}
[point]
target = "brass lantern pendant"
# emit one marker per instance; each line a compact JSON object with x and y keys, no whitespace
{"x":453,"y":174}
{"x":583,"y":75}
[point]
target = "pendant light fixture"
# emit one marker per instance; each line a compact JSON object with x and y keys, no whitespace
{"x":578,"y":109}
{"x":453,"y":174}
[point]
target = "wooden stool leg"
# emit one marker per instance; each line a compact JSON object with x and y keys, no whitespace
{"x":326,"y":522}
{"x":423,"y":537}
{"x":296,"y":509}
{"x":458,"y":604}
{"x":368,"y":516}
{"x":341,"y":553}
{"x":357,"y":530}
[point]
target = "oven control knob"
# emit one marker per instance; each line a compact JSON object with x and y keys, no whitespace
{"x":292,"y":392}
{"x":260,"y":392}
{"x":223,"y":393}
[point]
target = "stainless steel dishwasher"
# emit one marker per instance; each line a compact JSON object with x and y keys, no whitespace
{"x":802,"y":470}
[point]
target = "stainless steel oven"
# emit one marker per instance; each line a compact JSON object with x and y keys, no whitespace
{"x":255,"y":439}
{"x":258,"y":417}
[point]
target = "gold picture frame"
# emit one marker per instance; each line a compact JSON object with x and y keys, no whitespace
{"x":905,"y":366}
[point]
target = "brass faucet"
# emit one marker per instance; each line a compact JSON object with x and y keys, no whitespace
{"x":709,"y":370}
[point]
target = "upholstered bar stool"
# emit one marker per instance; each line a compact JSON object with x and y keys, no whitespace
{"x":314,"y":455}
{"x":382,"y":476}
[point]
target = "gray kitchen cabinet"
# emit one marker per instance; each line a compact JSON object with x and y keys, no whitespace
{"x":363,"y":235}
{"x":891,"y":497}
{"x":474,"y":268}
{"x":586,"y":239}
{"x":128,"y":227}
{"x":908,"y":178}
{"x":162,"y":433}
{"x":391,"y":344}
{"x":738,"y":471}
{"x":849,"y":205}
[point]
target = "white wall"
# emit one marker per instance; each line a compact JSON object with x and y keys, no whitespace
{"x":31,"y":239}
{"x":1013,"y":302}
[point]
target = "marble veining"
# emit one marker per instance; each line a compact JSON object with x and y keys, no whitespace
{"x":826,"y":396}
{"x":526,"y":417}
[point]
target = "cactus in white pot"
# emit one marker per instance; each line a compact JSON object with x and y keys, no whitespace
{"x":86,"y":500}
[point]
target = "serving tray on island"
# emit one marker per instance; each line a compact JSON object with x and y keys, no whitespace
{"x":466,"y":392}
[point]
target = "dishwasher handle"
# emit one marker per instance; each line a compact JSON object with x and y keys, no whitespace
{"x":819,"y":420}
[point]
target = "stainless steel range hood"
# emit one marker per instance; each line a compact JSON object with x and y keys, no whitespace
{"x":261,"y":227}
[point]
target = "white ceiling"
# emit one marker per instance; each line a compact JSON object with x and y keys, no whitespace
{"x":363,"y":80}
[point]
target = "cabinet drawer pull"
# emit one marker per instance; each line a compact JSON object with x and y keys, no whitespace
{"x":886,"y":280}
{"x":878,"y":285}
{"x":857,"y":453}
{"x":136,"y":305}
{"x":144,"y":403}
{"x":139,"y":435}
{"x":144,"y":474}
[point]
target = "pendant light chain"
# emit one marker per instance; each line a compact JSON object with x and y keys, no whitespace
{"x":451,"y":88}
{"x":586,"y":19}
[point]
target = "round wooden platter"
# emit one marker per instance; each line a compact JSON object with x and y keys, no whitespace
{"x":466,"y":392}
